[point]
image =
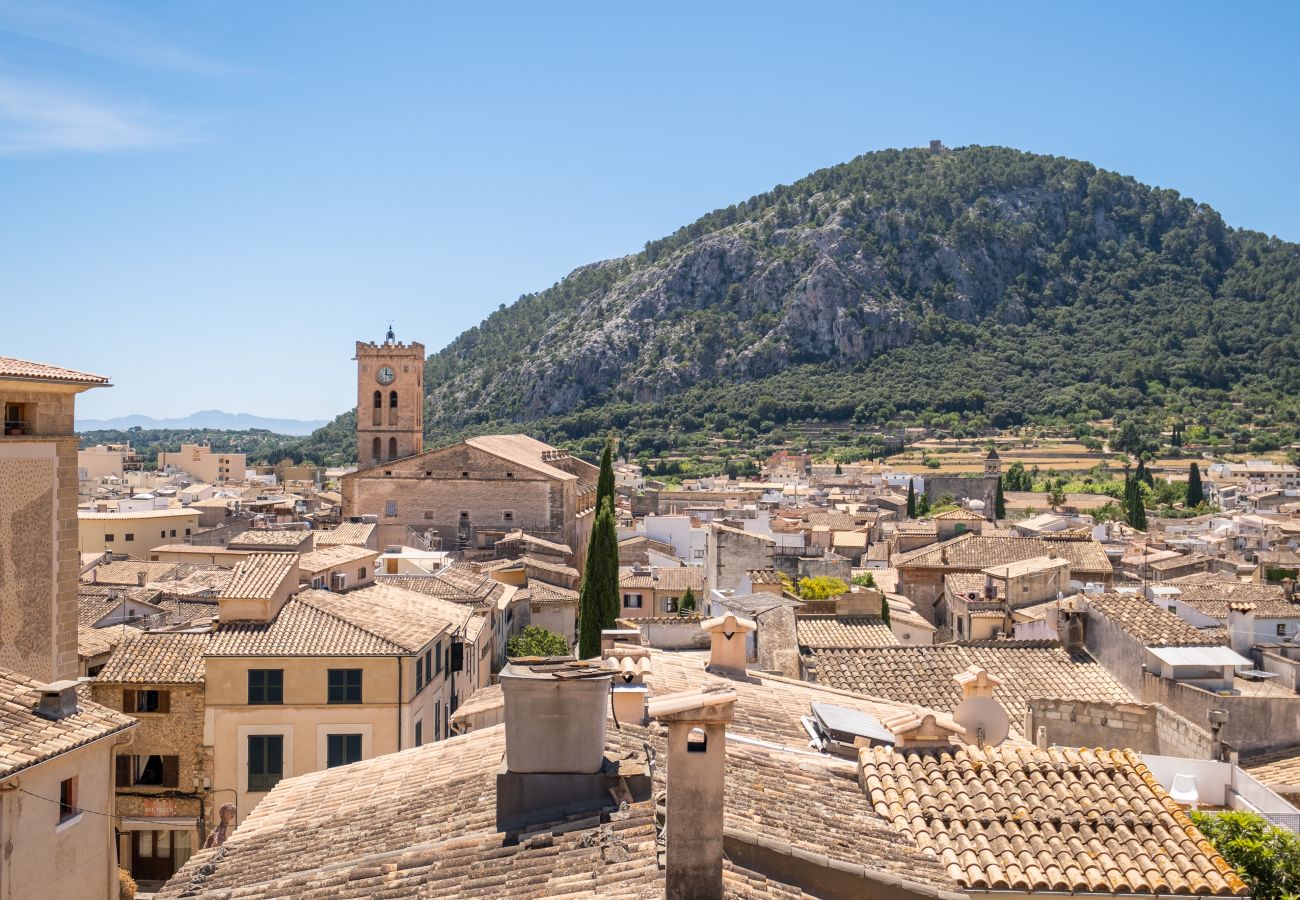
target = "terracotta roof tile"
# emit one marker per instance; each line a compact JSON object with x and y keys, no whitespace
{"x":21,"y":368}
{"x":1026,"y":819}
{"x":923,"y":675}
{"x":1153,"y":625}
{"x":27,"y":739}
{"x":329,"y":557}
{"x":666,"y":579}
{"x":975,"y":552}
{"x":845,"y":632}
{"x":157,"y":658}
{"x":300,"y":629}
{"x":259,"y":575}
{"x":355,"y":533}
{"x":1213,"y":597}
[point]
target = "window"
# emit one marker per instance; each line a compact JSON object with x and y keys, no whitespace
{"x":18,"y":418}
{"x":699,"y":554}
{"x":149,"y":770}
{"x":392,"y":448}
{"x":508,"y":516}
{"x":419,"y":673}
{"x":152,"y":701}
{"x":419,"y":734}
{"x":428,"y":514}
{"x":510,"y":474}
{"x":379,"y":399}
{"x":374,"y":450}
{"x":361,"y":574}
{"x":631,"y":601}
{"x":464,"y":515}
{"x":265,"y":686}
{"x":392,"y":399}
{"x":130,"y":536}
{"x":464,"y":474}
{"x":174,"y":532}
{"x":187,"y":532}
{"x":390,"y":506}
{"x":437,"y":720}
{"x":1281,"y":629}
{"x":342,"y":749}
{"x":344,"y":685}
{"x":68,"y":799}
{"x":265,"y":761}
{"x":163,"y":534}
{"x":437,"y":657}
{"x":108,"y":538}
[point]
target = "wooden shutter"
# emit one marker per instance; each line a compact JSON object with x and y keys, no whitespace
{"x":128,"y":701}
{"x":123,"y":770}
{"x":171,"y":766}
{"x":164,"y":701}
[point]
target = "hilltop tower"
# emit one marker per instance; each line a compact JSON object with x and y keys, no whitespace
{"x":390,"y":400}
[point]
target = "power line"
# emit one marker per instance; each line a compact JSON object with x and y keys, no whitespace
{"x":91,"y":811}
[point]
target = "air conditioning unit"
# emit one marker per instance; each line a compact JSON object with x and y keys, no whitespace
{"x":338,"y":581}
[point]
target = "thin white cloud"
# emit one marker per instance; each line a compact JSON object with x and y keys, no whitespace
{"x":37,"y":120}
{"x":101,"y":37}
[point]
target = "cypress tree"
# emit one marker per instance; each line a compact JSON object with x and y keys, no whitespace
{"x":1143,"y":474}
{"x":598,"y":599}
{"x":605,"y":483}
{"x":884,"y":610}
{"x":911,"y":499}
{"x":1195,"y":490}
{"x":923,"y":506}
{"x":999,"y":502}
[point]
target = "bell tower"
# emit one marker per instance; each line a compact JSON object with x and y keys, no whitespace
{"x":390,"y":400}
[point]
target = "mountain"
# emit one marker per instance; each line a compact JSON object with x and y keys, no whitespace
{"x":976,"y":288}
{"x":204,"y":419}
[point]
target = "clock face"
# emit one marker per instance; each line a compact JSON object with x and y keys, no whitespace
{"x":385,"y":375}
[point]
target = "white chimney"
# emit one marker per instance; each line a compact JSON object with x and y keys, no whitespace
{"x":697,"y":760}
{"x":729,"y":637}
{"x":1241,"y":627}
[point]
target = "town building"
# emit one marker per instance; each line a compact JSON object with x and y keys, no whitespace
{"x":390,"y":400}
{"x":200,"y":463}
{"x":134,"y":533}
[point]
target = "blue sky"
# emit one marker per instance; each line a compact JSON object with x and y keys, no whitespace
{"x":210,"y":201}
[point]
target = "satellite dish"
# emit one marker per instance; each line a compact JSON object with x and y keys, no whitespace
{"x":986,"y":722}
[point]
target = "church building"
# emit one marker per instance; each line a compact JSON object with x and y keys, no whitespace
{"x":468,"y":495}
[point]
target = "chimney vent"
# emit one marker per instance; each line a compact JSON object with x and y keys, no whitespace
{"x":729,"y":639}
{"x":58,"y":700}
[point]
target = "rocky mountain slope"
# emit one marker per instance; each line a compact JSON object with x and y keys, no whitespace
{"x":983,"y":284}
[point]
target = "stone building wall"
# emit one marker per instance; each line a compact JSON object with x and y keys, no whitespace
{"x":1143,"y":727}
{"x":983,"y":488}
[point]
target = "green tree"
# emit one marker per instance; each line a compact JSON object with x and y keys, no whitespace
{"x":598,"y":598}
{"x":1195,"y":490}
{"x":923,"y":506}
{"x":536,"y":641}
{"x":838,"y":469}
{"x":999,"y":503}
{"x":687,"y":603}
{"x":1017,"y":479}
{"x":1056,"y":493}
{"x":822,"y":587}
{"x":1143,"y":475}
{"x":866,"y":580}
{"x":884,"y":610}
{"x":1267,"y":858}
{"x":1135,"y":504}
{"x":605,"y":482}
{"x":911,"y":499}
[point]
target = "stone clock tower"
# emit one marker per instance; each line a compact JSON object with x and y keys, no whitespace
{"x":390,"y":400}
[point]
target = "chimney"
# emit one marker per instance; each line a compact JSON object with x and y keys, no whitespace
{"x":140,"y":577}
{"x":611,"y":637}
{"x":1070,"y":626}
{"x":58,"y":700}
{"x":630,"y":664}
{"x":1241,"y":626}
{"x":697,"y":758}
{"x":990,"y":589}
{"x":921,"y":728}
{"x":1288,"y":590}
{"x":865,"y":602}
{"x":976,"y":682}
{"x":729,"y":637}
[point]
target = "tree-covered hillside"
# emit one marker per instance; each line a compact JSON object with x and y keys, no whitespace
{"x":978,"y":288}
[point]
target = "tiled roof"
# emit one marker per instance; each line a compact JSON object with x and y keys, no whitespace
{"x":974,"y":552}
{"x":540,"y":544}
{"x":843,"y":632}
{"x":329,"y":557}
{"x":963,"y":584}
{"x":93,"y":642}
{"x":27,"y":739}
{"x":157,"y":658}
{"x":923,"y":675}
{"x":300,"y":629}
{"x":855,"y":539}
{"x":763,"y":576}
{"x":541,"y":592}
{"x":259,"y":575}
{"x":524,"y":450}
{"x":177,"y":513}
{"x":127,"y":571}
{"x":545,"y":565}
{"x":356,"y":533}
{"x":1026,"y":819}
{"x":1213,"y":597}
{"x":406,"y":618}
{"x":94,"y":601}
{"x":1153,"y":625}
{"x":667,"y":579}
{"x":21,"y":368}
{"x":958,"y":515}
{"x":421,"y":824}
{"x":481,"y":590}
{"x":270,"y":537}
{"x":1279,"y":770}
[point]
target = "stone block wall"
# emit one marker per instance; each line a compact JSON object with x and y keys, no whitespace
{"x":1144,"y":727}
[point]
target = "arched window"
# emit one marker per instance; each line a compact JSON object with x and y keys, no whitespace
{"x":379,"y":410}
{"x":392,"y":399}
{"x":374,"y":452}
{"x":379,"y":399}
{"x":392,"y":448}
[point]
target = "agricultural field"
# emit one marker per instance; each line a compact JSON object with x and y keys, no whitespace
{"x":956,"y":456}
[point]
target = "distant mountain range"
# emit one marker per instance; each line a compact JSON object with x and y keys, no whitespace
{"x":207,"y":418}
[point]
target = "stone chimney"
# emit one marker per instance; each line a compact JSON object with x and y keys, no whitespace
{"x":1288,"y":590}
{"x":922,"y":728}
{"x":1241,"y":626}
{"x":630,"y":664}
{"x":728,"y":640}
{"x":140,"y":578}
{"x":58,"y":700}
{"x":976,"y":682}
{"x":697,"y":758}
{"x":1071,"y":626}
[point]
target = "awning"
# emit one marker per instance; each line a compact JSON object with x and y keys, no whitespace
{"x":1199,"y":656}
